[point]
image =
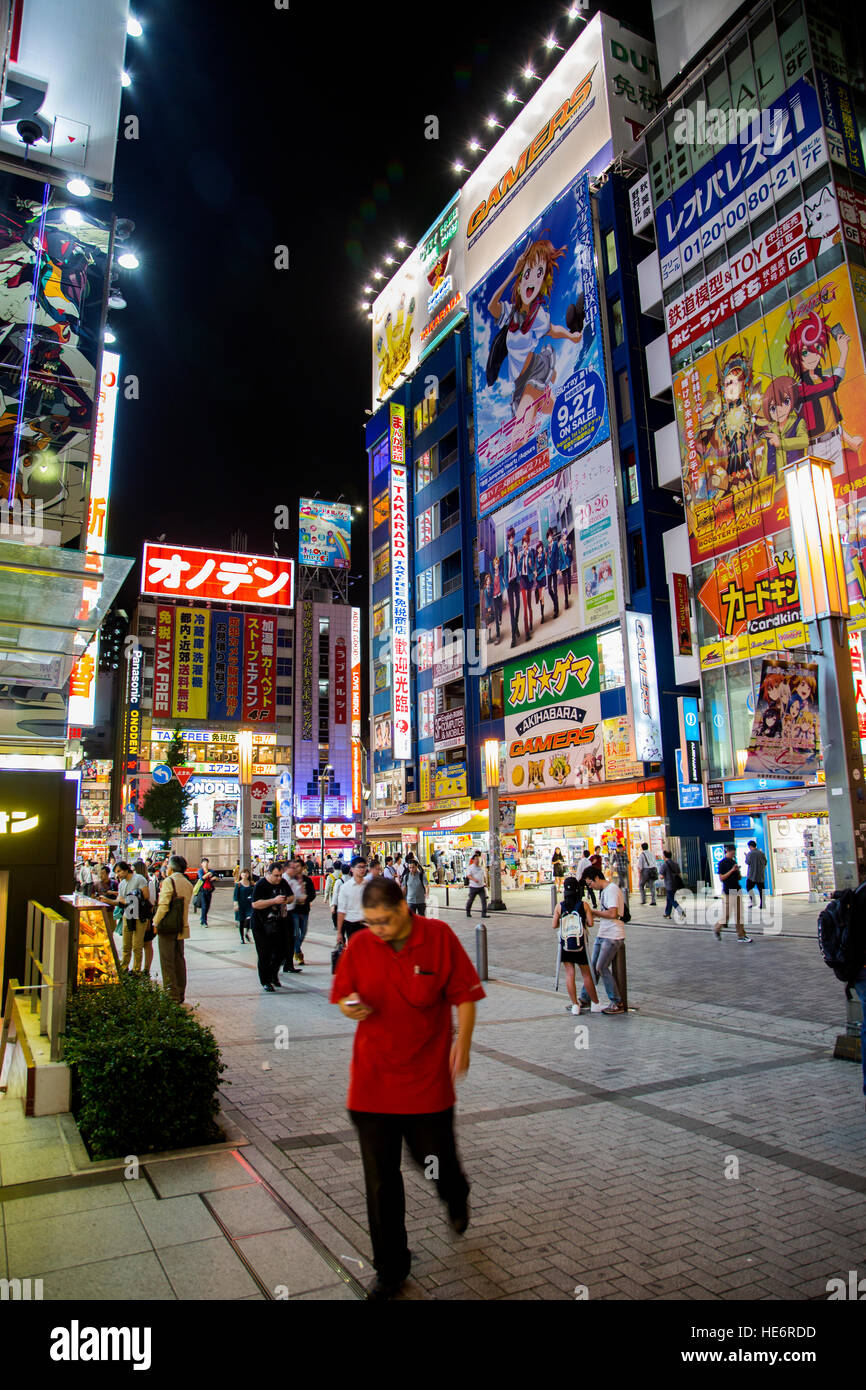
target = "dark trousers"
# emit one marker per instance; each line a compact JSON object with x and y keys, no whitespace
{"x":420,"y":909}
{"x":514,"y":607}
{"x":243,"y":927}
{"x":497,"y":612}
{"x":470,"y":900}
{"x":566,"y":584}
{"x":269,"y":953}
{"x":553,"y":590}
{"x":751,"y":884}
{"x":670,"y":901}
{"x":301,"y":922}
{"x":428,"y":1137}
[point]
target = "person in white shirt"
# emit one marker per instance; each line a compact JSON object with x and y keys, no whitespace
{"x":130,"y":884}
{"x":610,"y":936}
{"x":477,"y":884}
{"x":646,"y":867}
{"x":350,"y":910}
{"x":388,"y":871}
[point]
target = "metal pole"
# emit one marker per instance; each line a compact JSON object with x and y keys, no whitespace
{"x":496,"y":903}
{"x":843,"y":762}
{"x":246,"y":824}
{"x":322,"y":822}
{"x":481,"y":950}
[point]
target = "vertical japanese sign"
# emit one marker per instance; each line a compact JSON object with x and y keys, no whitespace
{"x":400,"y":605}
{"x":397,"y":435}
{"x":182,"y":663}
{"x":340,"y":681}
{"x":357,"y":765}
{"x":162,"y":662}
{"x":227,"y":645}
{"x":307,"y":673}
{"x":684,"y":622}
{"x":260,"y":640}
{"x":192,"y":627}
{"x":644,"y":687}
{"x":855,"y":646}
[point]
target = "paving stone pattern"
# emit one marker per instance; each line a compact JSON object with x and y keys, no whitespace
{"x":706,"y":1146}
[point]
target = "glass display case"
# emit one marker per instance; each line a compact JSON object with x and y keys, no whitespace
{"x":93,"y":958}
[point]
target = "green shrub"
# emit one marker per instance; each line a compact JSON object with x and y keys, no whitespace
{"x":145,"y":1071}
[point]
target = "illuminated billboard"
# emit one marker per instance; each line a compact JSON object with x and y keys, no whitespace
{"x":182,"y":572}
{"x":553,"y":726}
{"x":400,"y":547}
{"x":325,"y":534}
{"x":63,"y":80}
{"x":537,"y":363}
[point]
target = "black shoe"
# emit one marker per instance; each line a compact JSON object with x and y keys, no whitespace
{"x":291,"y":970}
{"x":388,"y":1288}
{"x":270,"y":989}
{"x":459,"y":1217}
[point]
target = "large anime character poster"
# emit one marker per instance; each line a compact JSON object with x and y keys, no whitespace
{"x":538,"y":372}
{"x":52,"y":271}
{"x":792,"y":384}
{"x":786,"y":740}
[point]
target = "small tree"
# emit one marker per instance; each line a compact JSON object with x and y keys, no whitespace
{"x":164,"y":805}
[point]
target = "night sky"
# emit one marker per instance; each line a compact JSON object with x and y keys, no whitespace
{"x":262,"y":127}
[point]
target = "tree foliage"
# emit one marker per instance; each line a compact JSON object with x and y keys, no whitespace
{"x":164,"y":805}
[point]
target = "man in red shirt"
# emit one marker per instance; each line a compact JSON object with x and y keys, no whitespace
{"x":399,"y":981}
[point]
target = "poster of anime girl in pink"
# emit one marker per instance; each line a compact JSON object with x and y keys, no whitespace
{"x":538,"y":373}
{"x":791,"y":384}
{"x":786,"y":739}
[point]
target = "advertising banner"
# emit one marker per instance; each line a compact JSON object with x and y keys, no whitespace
{"x":340,"y":683}
{"x":619,"y":759}
{"x":852,"y":210}
{"x":162,"y":663}
{"x":781,"y":146}
{"x":792,"y":382}
{"x":226,"y":659}
{"x":52,"y":285}
{"x":225,"y":817}
{"x":537,"y":368}
{"x":448,"y":656}
{"x":400,"y":548}
{"x":786,"y":739}
{"x":357,"y":777}
{"x":449,"y":780}
{"x":749,"y":604}
{"x":843,"y":135}
{"x":765,"y":262}
{"x":325,"y":531}
{"x":644,"y":687}
{"x":553,"y":719}
{"x":858,"y":671}
{"x":419,"y":303}
{"x":260,"y":641}
{"x":64,"y":77}
{"x":259,"y":581}
{"x":549,"y":561}
{"x":449,"y":729}
{"x":189,"y":700}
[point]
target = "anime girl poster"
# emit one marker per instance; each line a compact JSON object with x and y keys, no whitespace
{"x":792,"y":383}
{"x":786,"y":738}
{"x":538,"y":374}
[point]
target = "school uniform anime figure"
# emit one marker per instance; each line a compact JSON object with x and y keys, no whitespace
{"x":801,"y":716}
{"x":553,"y":569}
{"x":540,"y":576}
{"x":496,"y":594}
{"x":527,"y":580}
{"x":511,"y":570}
{"x":807,"y":346}
{"x":524,"y":323}
{"x":566,"y":553}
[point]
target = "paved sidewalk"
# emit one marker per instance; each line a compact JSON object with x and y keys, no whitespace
{"x":706,"y":1146}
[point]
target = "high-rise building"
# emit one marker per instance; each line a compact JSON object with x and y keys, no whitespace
{"x":517,"y":588}
{"x":755,"y":198}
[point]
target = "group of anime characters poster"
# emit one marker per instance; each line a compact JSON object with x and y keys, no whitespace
{"x":793,"y":384}
{"x":538,"y":374}
{"x":786,"y":740}
{"x":52,"y":275}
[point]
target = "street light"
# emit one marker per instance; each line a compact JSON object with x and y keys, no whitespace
{"x":245,"y":781}
{"x":325,"y":776}
{"x":824,"y":603}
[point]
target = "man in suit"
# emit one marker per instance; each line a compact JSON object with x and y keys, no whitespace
{"x":553,"y":566}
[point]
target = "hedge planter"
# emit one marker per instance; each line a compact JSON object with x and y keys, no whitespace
{"x":145,"y":1072}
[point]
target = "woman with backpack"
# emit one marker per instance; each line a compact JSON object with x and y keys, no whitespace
{"x":569,"y":919}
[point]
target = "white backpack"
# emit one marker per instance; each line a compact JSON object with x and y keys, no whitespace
{"x":571,"y":930}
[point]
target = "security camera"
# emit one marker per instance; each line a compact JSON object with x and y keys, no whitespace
{"x":30,"y":131}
